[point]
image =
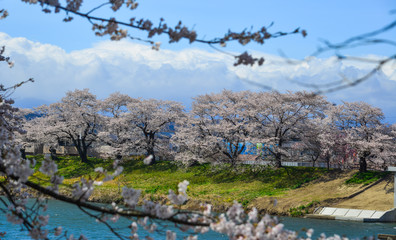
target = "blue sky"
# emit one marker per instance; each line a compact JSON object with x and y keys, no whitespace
{"x":331,"y":20}
{"x":64,"y":56}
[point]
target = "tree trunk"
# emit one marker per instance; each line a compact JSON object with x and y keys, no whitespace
{"x":52,"y":151}
{"x":278,"y":160}
{"x":150,"y":141}
{"x":278,"y":155}
{"x":23,"y":153}
{"x":328,"y":161}
{"x":84,"y":158}
{"x":233,"y":161}
{"x":314,"y":159}
{"x":363,"y":161}
{"x":362,"y":164}
{"x":83,"y":154}
{"x":82,"y":148}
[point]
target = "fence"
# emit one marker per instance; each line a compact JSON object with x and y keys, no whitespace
{"x":292,"y":164}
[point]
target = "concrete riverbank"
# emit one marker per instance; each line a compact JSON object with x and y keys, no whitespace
{"x":359,"y":215}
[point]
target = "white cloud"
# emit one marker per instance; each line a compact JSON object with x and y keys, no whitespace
{"x":178,"y":75}
{"x":114,"y":66}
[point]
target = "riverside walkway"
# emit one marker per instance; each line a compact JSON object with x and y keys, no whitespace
{"x":354,"y":214}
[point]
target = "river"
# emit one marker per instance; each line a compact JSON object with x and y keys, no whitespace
{"x":76,"y":222}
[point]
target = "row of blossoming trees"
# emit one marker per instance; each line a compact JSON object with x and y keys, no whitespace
{"x":219,"y":128}
{"x":77,"y":119}
{"x":143,"y":214}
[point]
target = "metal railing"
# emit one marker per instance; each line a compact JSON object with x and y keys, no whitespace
{"x":291,"y":164}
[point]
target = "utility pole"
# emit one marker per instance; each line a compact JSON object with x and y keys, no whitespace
{"x":393,"y":169}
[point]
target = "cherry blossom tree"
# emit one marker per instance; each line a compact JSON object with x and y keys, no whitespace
{"x":365,"y":132}
{"x":75,"y":119}
{"x":115,"y":131}
{"x":278,"y":118}
{"x":24,"y":139}
{"x":151,"y":123}
{"x":322,"y":140}
{"x":216,"y":128}
{"x":309,"y":144}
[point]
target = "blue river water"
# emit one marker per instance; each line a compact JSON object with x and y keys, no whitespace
{"x":76,"y":223}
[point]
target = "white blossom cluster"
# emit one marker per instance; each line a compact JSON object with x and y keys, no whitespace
{"x":148,"y":160}
{"x":110,"y":29}
{"x":82,"y":190}
{"x":37,"y":233}
{"x":56,"y":180}
{"x":30,"y":1}
{"x":116,"y":4}
{"x":72,"y":5}
{"x":13,"y":215}
{"x":108,"y":177}
{"x":247,"y":59}
{"x":157,"y":209}
{"x":131,"y":196}
{"x":182,"y":197}
{"x":233,"y":225}
{"x":48,"y":166}
{"x":10,"y":160}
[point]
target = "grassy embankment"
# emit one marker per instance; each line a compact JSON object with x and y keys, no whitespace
{"x":217,"y":185}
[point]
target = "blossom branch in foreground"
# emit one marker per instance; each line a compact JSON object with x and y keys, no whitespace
{"x":111,"y":26}
{"x":359,"y":41}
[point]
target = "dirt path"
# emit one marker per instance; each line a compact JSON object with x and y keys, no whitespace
{"x":331,"y":191}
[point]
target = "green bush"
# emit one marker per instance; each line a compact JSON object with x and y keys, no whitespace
{"x":303,"y":209}
{"x":71,"y":166}
{"x":366,"y":177}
